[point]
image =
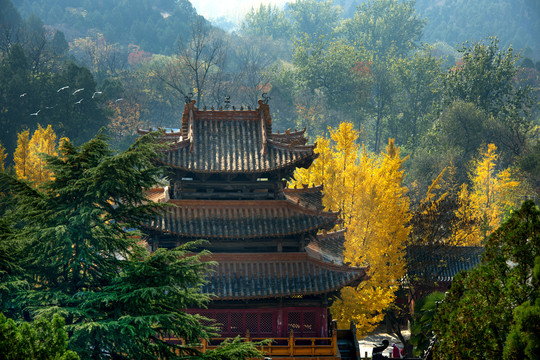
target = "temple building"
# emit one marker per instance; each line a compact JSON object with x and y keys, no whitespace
{"x":279,"y":264}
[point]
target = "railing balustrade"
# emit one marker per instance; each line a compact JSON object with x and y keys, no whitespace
{"x":283,"y":347}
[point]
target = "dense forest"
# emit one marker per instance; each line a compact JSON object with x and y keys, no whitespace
{"x":426,"y":117}
{"x":514,"y":22}
{"x":417,"y":72}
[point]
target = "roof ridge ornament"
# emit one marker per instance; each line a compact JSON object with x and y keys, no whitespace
{"x":188,"y":97}
{"x":265,"y":98}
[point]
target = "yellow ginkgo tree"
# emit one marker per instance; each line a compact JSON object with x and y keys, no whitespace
{"x":368,"y":190}
{"x":3,"y":156}
{"x":28,"y":157}
{"x":22,"y":154}
{"x":491,"y":195}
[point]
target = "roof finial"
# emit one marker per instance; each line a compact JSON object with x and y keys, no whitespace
{"x":265,"y":98}
{"x":227,"y":102}
{"x":188,"y":97}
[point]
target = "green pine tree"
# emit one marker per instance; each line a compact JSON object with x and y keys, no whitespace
{"x":80,"y":262}
{"x":490,"y":302}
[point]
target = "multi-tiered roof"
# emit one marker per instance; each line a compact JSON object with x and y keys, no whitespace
{"x":227,"y":184}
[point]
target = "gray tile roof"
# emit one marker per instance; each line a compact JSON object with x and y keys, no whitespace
{"x":252,"y":276}
{"x":223,"y":219}
{"x":441,"y":263}
{"x":238,"y":141}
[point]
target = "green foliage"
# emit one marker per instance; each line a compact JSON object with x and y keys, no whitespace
{"x":81,"y":262}
{"x":513,"y":21}
{"x":418,"y":78}
{"x":41,"y":339}
{"x":523,"y":342}
{"x":266,"y":21}
{"x":421,"y":327}
{"x":457,"y":135}
{"x":385,"y":27}
{"x":328,"y":67}
{"x":120,"y":21}
{"x":236,"y":349}
{"x":530,"y":164}
{"x":485,"y":77}
{"x":387,"y":30}
{"x":26,"y":92}
{"x":477,"y":314}
{"x":313,"y":18}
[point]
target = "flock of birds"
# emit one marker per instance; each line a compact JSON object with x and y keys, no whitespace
{"x":73,"y":93}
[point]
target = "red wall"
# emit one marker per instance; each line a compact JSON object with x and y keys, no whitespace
{"x":304,"y":321}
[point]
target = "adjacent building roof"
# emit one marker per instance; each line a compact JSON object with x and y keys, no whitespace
{"x":441,"y":263}
{"x":256,"y":276}
{"x":234,"y":219}
{"x":328,"y":246}
{"x":234,"y":141}
{"x":310,"y":197}
{"x":169,"y":136}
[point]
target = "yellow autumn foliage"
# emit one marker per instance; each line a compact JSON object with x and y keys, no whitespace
{"x":22,"y":153}
{"x":29,"y":162}
{"x":367,"y":189}
{"x":491,"y":195}
{"x":3,"y":156}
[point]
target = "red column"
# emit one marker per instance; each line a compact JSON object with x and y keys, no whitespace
{"x":280,"y":325}
{"x":324,"y":322}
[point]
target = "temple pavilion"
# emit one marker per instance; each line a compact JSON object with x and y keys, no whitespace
{"x":279,"y":264}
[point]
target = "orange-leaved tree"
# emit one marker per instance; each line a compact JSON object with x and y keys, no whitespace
{"x":368,"y":189}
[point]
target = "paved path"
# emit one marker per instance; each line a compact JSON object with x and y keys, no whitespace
{"x":366,"y":344}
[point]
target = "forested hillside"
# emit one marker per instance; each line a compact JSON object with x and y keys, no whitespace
{"x":154,"y":25}
{"x":321,"y":64}
{"x":515,"y":22}
{"x":426,"y":117}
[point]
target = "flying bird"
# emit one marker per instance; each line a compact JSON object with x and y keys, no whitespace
{"x":117,"y":100}
{"x":50,"y":107}
{"x":62,"y":88}
{"x":76,"y":91}
{"x":36,"y":113}
{"x":96,"y":93}
{"x":80,"y":101}
{"x":22,"y":95}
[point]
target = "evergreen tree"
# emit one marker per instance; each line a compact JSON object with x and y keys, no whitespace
{"x":523,"y":342}
{"x":477,"y":314}
{"x":42,"y":339}
{"x":81,"y":262}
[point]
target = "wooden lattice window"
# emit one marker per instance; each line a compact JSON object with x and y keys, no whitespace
{"x":309,"y":322}
{"x":237,"y":323}
{"x":294,"y":322}
{"x":252,"y":322}
{"x":266,"y":323}
{"x":223,"y":320}
{"x":302,"y":323}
